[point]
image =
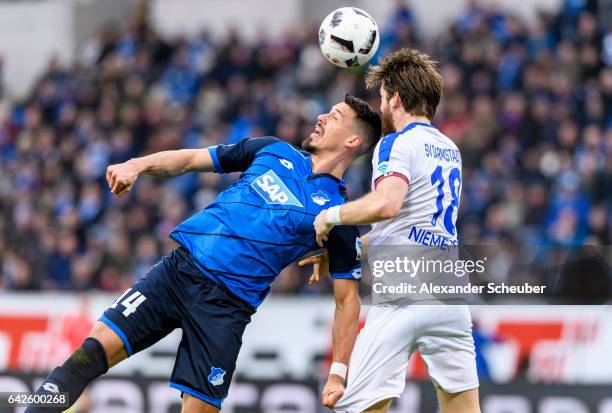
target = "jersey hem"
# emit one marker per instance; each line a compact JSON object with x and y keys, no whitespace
{"x":213,"y":154}
{"x":396,"y":174}
{"x":459,"y":389}
{"x":362,"y":406}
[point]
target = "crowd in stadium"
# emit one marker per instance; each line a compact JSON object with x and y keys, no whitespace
{"x":529,"y":104}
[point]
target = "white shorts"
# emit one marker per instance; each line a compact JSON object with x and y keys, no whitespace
{"x":442,"y":334}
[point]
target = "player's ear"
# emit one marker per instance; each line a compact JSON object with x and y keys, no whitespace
{"x":396,"y":100}
{"x":354,"y":140}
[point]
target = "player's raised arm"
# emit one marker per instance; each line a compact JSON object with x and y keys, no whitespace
{"x":166,"y":164}
{"x":121,"y":177}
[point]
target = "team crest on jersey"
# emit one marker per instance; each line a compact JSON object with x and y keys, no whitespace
{"x":320,"y":197}
{"x":216,"y":376}
{"x":272,"y":189}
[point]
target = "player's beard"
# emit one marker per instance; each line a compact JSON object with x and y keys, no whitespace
{"x":308,"y":146}
{"x":387,"y":122}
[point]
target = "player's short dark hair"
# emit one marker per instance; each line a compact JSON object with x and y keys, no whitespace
{"x":412,"y":74}
{"x":368,"y":121}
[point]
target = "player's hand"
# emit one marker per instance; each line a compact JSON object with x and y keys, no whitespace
{"x":333,"y":390}
{"x":321,"y":227}
{"x":121,"y":177}
{"x":320,"y":264}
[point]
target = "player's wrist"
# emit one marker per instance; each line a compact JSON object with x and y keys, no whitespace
{"x":137,"y":164}
{"x":338,"y":371}
{"x":332,"y":216}
{"x":335,"y":379}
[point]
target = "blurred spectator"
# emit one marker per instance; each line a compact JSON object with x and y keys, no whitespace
{"x":530,"y":107}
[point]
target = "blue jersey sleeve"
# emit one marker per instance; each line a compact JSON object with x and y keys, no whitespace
{"x":239,"y":156}
{"x":342,"y":247}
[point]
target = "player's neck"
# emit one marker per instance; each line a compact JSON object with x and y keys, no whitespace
{"x":403,"y":119}
{"x":331,"y":163}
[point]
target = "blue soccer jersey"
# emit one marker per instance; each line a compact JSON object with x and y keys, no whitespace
{"x":264,"y":221}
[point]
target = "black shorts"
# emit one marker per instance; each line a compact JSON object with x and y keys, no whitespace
{"x":174,"y":293}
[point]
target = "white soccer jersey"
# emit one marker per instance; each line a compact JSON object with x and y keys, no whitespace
{"x":431,"y":164}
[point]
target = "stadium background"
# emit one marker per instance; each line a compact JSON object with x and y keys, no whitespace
{"x":528,"y":99}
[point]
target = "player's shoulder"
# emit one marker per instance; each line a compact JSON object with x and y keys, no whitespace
{"x":406,"y":136}
{"x":282,"y":156}
{"x":386,"y":144}
{"x":426,"y":134}
{"x":279,"y":146}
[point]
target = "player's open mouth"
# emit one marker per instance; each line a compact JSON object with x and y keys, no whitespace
{"x":318,"y":131}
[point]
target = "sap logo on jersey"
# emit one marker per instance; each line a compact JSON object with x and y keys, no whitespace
{"x":270,"y":187}
{"x":216,"y":376}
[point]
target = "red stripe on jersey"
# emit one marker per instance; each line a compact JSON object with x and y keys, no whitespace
{"x":399,"y":175}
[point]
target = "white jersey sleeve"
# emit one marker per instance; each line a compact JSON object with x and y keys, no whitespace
{"x":393,"y":158}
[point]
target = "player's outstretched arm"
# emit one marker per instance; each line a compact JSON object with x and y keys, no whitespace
{"x":346,"y":322}
{"x":121,"y":177}
{"x":383,"y":203}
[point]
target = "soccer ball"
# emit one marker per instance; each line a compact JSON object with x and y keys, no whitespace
{"x":348,"y":37}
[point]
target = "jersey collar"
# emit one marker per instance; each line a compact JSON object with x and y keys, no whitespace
{"x":413,"y":125}
{"x":340,"y":182}
{"x":324,"y":175}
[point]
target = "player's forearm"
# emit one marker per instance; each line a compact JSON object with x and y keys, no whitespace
{"x":382,"y":204}
{"x":346,"y":322}
{"x":368,"y":209}
{"x":173,"y":163}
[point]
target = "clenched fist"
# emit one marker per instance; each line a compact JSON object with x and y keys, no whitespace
{"x":333,"y":391}
{"x":121,"y":177}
